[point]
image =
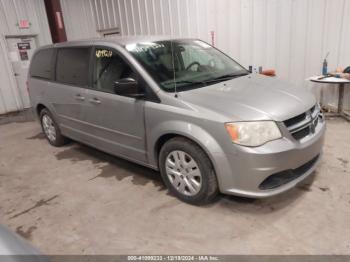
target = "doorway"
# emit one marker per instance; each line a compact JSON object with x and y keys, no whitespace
{"x":20,"y":51}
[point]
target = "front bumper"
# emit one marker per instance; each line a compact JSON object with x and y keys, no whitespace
{"x":243,"y":170}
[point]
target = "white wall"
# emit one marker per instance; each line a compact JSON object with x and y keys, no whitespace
{"x":291,"y":36}
{"x":11,"y":11}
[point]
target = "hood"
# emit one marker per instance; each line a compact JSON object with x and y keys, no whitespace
{"x":252,"y":97}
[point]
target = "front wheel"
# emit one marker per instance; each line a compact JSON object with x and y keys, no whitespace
{"x":51,"y":129}
{"x":187,"y":171}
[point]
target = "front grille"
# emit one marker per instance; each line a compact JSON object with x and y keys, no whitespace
{"x":301,"y":133}
{"x":313,"y":109}
{"x":281,"y":178}
{"x":295,"y":120}
{"x":304,"y":124}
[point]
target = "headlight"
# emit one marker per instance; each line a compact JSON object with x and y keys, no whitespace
{"x":253,"y":133}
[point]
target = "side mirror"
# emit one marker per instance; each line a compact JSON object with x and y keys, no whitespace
{"x":128,"y":87}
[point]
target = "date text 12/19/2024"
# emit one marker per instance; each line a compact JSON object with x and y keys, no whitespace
{"x":173,"y":258}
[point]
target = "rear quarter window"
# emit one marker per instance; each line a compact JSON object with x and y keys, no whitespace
{"x":41,"y":66}
{"x":72,"y":66}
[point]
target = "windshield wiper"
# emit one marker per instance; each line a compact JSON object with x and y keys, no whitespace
{"x":205,"y":82}
{"x":186,"y":82}
{"x":216,"y":79}
{"x":225,"y":77}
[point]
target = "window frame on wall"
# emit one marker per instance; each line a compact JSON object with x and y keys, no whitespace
{"x":110,"y":32}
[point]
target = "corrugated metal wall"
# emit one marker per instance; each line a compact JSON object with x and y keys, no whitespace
{"x":11,"y":11}
{"x":292,"y":36}
{"x":79,"y":19}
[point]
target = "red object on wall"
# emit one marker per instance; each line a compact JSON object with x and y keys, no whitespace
{"x":212,"y":34}
{"x":56,"y":23}
{"x":23,"y":24}
{"x":269,"y":72}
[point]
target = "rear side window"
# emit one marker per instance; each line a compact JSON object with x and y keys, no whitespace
{"x":72,"y":66}
{"x":42,"y":64}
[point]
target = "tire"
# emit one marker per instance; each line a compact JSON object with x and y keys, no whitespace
{"x":180,"y":173}
{"x":56,"y":139}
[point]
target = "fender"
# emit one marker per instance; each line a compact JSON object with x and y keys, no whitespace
{"x":50,"y":108}
{"x":191,"y":131}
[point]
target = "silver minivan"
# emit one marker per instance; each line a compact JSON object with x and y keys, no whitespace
{"x":182,"y":107}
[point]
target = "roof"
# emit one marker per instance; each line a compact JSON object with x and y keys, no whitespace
{"x":120,"y":40}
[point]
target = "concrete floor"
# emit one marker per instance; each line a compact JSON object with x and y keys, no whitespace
{"x":76,"y":200}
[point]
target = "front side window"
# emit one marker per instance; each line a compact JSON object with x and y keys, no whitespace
{"x":72,"y":66}
{"x":42,"y":64}
{"x":184,"y":64}
{"x":109,"y":67}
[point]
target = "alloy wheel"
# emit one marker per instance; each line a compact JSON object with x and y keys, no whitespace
{"x":183,"y":173}
{"x":49,"y":128}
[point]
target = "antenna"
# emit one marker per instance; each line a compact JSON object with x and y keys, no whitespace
{"x":327,"y":55}
{"x":173,"y":63}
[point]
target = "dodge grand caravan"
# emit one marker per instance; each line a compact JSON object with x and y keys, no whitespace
{"x":182,"y":107}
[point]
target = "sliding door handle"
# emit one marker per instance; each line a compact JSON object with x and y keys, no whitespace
{"x":79,"y":97}
{"x":95,"y":101}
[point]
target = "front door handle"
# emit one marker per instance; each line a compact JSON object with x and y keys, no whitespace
{"x":79,"y":97}
{"x":95,"y":101}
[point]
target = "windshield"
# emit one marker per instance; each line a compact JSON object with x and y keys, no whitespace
{"x":185,"y":64}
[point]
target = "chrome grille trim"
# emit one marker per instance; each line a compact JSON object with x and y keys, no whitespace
{"x":309,"y":122}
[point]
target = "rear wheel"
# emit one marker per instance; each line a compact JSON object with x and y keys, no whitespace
{"x":187,"y":171}
{"x":51,"y":129}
